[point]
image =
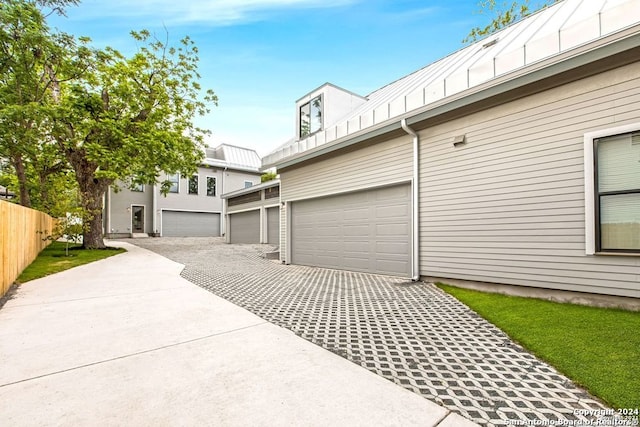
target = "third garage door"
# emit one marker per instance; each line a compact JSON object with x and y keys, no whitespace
{"x":363,"y":231}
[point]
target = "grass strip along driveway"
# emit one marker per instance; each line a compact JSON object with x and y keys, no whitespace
{"x":598,"y":348}
{"x":54,"y":259}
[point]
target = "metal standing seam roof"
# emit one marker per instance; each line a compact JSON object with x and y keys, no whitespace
{"x":232,"y":156}
{"x":542,"y":35}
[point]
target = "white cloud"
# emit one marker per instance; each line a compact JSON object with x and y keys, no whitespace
{"x":212,"y":12}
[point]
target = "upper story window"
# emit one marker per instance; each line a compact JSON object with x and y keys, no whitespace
{"x":193,"y":184}
{"x":617,"y":192}
{"x":175,"y":182}
{"x":311,"y":117}
{"x":134,"y":186}
{"x":211,"y":186}
{"x":248,"y":184}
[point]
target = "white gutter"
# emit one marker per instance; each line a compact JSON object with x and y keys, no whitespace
{"x":415,"y":194}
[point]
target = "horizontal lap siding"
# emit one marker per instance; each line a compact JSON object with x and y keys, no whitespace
{"x":252,"y":205}
{"x":375,"y":165}
{"x":508,"y":207}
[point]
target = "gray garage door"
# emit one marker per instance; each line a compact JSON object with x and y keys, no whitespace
{"x":244,"y":227}
{"x":273,"y":226}
{"x":190,"y":224}
{"x":364,"y":231}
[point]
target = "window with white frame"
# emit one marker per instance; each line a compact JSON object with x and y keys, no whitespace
{"x":615,"y":187}
{"x":193,"y":184}
{"x":174,"y":179}
{"x":248,"y":184}
{"x":211,"y":186}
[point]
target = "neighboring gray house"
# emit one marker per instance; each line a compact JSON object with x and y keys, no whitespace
{"x":515,"y":160}
{"x":253,"y":214}
{"x":193,"y":206}
{"x":6,"y":194}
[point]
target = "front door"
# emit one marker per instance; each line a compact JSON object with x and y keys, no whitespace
{"x":137,"y":219}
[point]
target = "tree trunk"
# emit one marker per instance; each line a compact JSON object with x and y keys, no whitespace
{"x":92,"y":237}
{"x":18,"y":164}
{"x":91,"y":195}
{"x":92,"y":190}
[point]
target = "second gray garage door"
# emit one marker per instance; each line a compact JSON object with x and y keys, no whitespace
{"x":244,"y":227}
{"x":190,"y":224}
{"x":364,"y":231}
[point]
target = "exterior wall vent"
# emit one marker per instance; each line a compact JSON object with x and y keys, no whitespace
{"x":490,"y":43}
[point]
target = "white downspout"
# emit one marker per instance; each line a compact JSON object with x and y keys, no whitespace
{"x":223,"y":216}
{"x":107,"y":202}
{"x":154,"y":209}
{"x":415,"y":195}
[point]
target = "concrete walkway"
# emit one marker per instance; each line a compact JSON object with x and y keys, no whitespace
{"x":127,"y":341}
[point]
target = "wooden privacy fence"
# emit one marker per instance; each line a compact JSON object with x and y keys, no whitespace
{"x":23,"y":233}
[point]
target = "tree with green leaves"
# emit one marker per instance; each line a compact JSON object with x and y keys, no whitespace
{"x":97,"y":113}
{"x":268,"y":176}
{"x":32,"y":59}
{"x":503,"y":14}
{"x":131,"y":117}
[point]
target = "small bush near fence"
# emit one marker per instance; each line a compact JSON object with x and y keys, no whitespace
{"x":23,"y":234}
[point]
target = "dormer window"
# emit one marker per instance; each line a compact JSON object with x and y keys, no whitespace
{"x":311,"y":117}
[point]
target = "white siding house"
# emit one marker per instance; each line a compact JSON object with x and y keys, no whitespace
{"x":193,"y":206}
{"x":515,"y":161}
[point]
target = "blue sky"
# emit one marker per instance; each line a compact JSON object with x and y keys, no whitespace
{"x":260,"y":56}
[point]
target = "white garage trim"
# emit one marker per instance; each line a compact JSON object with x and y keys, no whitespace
{"x":243,"y":210}
{"x":355,"y":189}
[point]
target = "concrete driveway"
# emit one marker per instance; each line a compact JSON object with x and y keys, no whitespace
{"x":127,"y":341}
{"x":412,"y":334}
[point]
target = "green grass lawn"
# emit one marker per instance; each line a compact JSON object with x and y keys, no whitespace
{"x":598,"y":348}
{"x":54,"y":259}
